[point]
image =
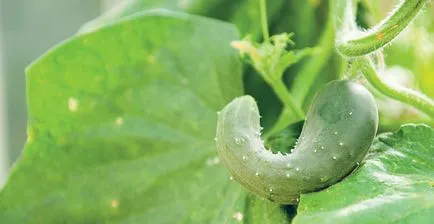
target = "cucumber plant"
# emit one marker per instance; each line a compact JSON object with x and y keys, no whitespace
{"x":339,"y":128}
{"x":341,"y":122}
{"x":122,"y":119}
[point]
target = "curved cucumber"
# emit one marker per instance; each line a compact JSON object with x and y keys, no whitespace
{"x":341,"y":124}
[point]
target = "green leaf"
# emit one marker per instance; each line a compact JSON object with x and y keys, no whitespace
{"x":262,"y":211}
{"x":395,"y":184}
{"x":244,"y":14}
{"x":130,"y":7}
{"x":122,"y":125}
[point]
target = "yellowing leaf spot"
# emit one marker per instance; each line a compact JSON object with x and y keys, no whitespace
{"x":238,"y":216}
{"x":72,"y":104}
{"x":431,"y":183}
{"x":119,"y":121}
{"x":114,"y":203}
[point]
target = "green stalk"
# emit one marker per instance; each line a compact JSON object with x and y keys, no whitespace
{"x":284,"y":95}
{"x":264,"y":22}
{"x":357,"y":43}
{"x":306,"y":77}
{"x":413,"y":98}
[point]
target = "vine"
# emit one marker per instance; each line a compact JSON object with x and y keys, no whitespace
{"x":416,"y":99}
{"x":357,"y":43}
{"x":271,"y":59}
{"x":341,"y":122}
{"x":364,"y":43}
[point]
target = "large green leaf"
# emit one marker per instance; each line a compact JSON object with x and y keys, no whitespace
{"x":122,"y":125}
{"x":243,"y":13}
{"x":130,"y":7}
{"x":395,"y":184}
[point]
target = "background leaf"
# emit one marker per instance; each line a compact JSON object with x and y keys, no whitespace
{"x":121,"y":127}
{"x":282,"y":16}
{"x":130,"y":7}
{"x":395,"y":184}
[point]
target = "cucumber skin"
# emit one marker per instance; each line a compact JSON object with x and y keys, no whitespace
{"x":340,"y":127}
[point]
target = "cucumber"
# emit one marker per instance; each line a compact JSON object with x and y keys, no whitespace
{"x":340,"y":126}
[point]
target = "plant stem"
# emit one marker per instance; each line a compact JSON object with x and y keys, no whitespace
{"x":291,"y":112}
{"x":307,"y":75}
{"x":415,"y":99}
{"x":380,"y":35}
{"x":264,"y":22}
{"x":284,"y":95}
{"x":285,"y":118}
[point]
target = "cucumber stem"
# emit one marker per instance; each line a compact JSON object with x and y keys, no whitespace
{"x":312,"y":68}
{"x":264,"y":22}
{"x":408,"y":96}
{"x":356,"y":43}
{"x":284,"y":95}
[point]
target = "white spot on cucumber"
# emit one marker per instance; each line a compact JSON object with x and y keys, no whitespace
{"x":231,"y":178}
